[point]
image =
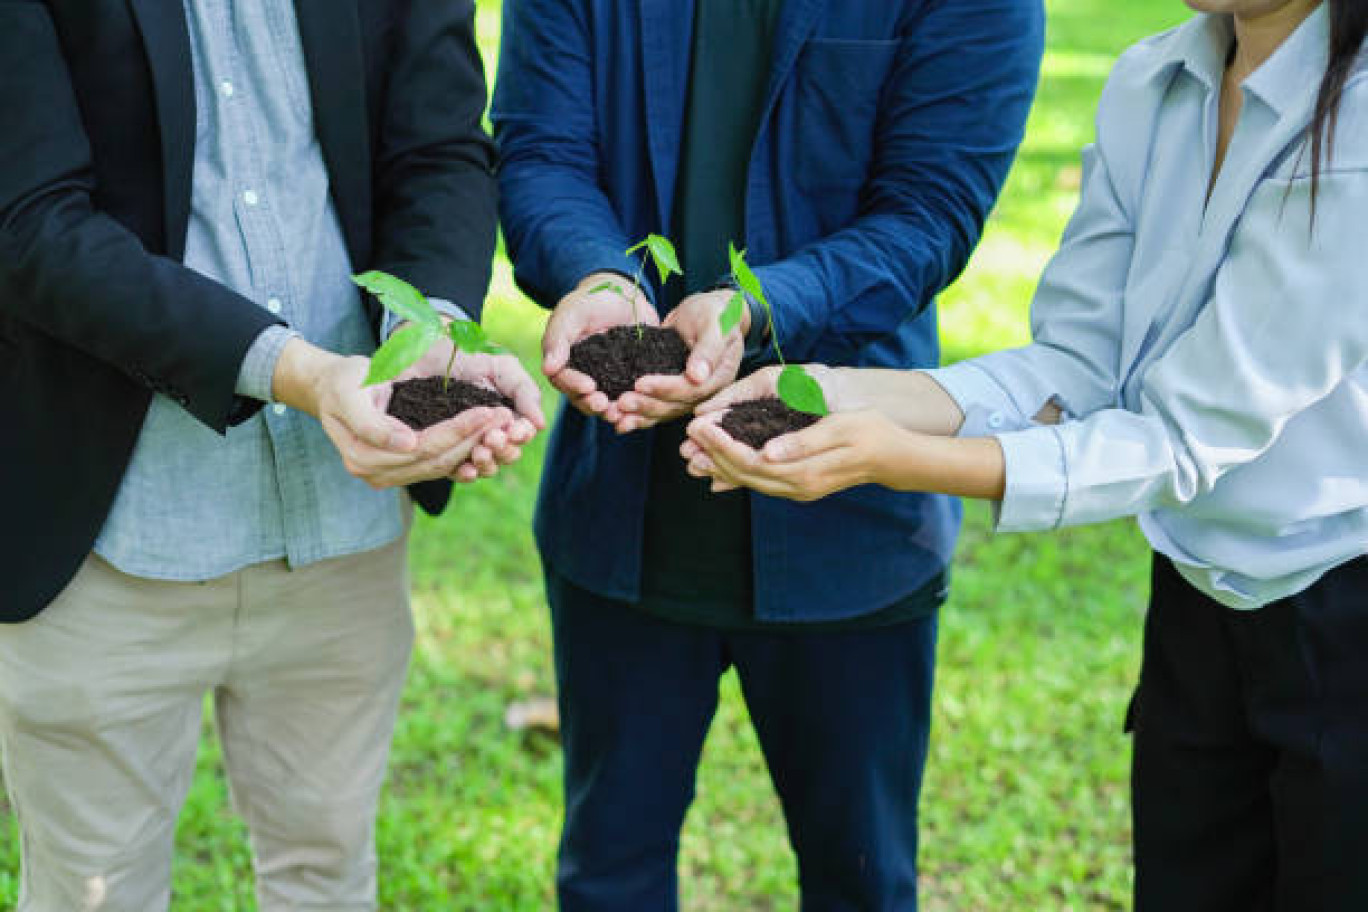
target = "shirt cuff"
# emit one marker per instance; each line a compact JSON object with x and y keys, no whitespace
{"x":1037,"y":480}
{"x":392,"y":321}
{"x":256,"y":377}
{"x":756,"y":340}
{"x":987,"y":407}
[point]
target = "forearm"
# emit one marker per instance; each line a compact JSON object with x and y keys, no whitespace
{"x":959,"y":466}
{"x":910,"y":399}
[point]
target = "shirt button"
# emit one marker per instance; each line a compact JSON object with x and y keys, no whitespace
{"x":996,"y":420}
{"x":250,"y":198}
{"x":278,"y":408}
{"x":226,"y":88}
{"x":273,"y":305}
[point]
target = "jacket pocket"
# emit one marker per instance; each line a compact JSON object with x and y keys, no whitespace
{"x":837,"y":89}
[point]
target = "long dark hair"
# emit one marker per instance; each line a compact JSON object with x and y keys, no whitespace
{"x":1348,"y":27}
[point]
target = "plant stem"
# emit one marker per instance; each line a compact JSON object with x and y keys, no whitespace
{"x":636,"y":290}
{"x":451,"y":363}
{"x":774,"y":334}
{"x":769,"y":315}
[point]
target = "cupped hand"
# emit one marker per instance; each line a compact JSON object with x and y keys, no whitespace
{"x":841,"y":451}
{"x":588,"y":310}
{"x":502,"y":445}
{"x":714,"y":361}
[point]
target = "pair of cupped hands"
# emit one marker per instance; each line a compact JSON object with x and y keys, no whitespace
{"x":385,"y":453}
{"x":802,"y":466}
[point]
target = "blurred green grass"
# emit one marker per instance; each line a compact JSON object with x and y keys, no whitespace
{"x":1025,"y":804}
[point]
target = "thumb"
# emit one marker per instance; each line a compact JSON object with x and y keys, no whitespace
{"x":756,"y":386}
{"x":706,"y":355}
{"x":381,"y":431}
{"x":805,"y":444}
{"x":562,"y":329}
{"x":556,"y":355}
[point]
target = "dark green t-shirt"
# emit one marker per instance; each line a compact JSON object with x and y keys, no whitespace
{"x":698,"y":563}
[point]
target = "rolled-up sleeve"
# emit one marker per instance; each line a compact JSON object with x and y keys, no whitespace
{"x":988,"y":407}
{"x":256,"y":378}
{"x":1037,"y":480}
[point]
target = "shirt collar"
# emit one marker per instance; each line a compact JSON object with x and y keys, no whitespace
{"x":1201,"y":47}
{"x":1292,"y":76}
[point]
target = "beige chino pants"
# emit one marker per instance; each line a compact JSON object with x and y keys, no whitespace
{"x":101,"y":700}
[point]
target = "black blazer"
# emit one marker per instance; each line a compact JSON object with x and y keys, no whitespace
{"x":97,"y":312}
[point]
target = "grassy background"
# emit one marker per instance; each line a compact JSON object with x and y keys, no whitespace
{"x":1025,"y":803}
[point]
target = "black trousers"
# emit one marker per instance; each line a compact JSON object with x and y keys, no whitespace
{"x":842,"y":717}
{"x":1250,"y":774}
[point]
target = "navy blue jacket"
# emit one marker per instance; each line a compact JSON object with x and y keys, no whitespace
{"x":889,"y":129}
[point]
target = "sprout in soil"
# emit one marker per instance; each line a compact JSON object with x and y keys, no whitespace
{"x":660,"y":251}
{"x":797,"y":388}
{"x":425,"y":327}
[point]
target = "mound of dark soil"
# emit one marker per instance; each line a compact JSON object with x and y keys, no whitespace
{"x":420,"y":403}
{"x":757,"y":422}
{"x":618,"y":358}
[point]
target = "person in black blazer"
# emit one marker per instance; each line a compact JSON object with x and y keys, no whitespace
{"x":129,"y":305}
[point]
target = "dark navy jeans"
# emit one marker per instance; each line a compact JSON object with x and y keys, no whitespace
{"x":843,"y":719}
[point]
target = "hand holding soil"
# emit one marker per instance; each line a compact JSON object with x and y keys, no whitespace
{"x":748,"y":437}
{"x":328,"y":386}
{"x":495,"y":387}
{"x":751,"y":411}
{"x":833,"y":454}
{"x":713,"y":361}
{"x":471,"y":404}
{"x":602,"y":323}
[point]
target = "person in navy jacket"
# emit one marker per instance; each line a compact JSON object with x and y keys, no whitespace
{"x":854,"y":149}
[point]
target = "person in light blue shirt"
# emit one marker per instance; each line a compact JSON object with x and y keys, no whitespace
{"x":1200,"y":361}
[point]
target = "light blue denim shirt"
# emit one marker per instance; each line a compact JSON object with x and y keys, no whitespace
{"x":1209,"y":356}
{"x":194,"y":505}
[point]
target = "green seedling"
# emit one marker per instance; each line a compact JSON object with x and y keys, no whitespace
{"x":797,"y":388}
{"x":425,"y":327}
{"x":658,"y":250}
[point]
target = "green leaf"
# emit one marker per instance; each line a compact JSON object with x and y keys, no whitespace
{"x":801,"y":392}
{"x":741,"y":271}
{"x":400,"y":351}
{"x":468,"y":335}
{"x":731,"y":314}
{"x":663,"y":253}
{"x":400,"y":297}
{"x":607,"y":286}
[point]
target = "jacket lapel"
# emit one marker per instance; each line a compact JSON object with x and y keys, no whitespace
{"x":666,"y":42}
{"x":331,"y":35}
{"x":167,"y":42}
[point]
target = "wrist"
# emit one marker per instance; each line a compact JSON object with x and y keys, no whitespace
{"x":892,"y":461}
{"x":298,"y":375}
